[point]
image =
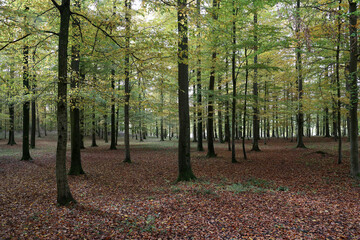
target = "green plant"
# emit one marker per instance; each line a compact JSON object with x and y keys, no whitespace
{"x":282,"y":189}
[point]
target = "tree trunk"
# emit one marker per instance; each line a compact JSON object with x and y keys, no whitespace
{"x":38,"y":121}
{"x":106,"y":140}
{"x":156,"y":129}
{"x":220,"y":120}
{"x":245,"y":103}
{"x":93,"y":129}
{"x":11,"y":141}
{"x":256,"y":121}
{"x":199,"y":86}
{"x":194,"y":115}
{"x":76,"y":167}
{"x":210,"y":120}
{"x":113,"y":124}
{"x":233,"y":77}
{"x":33,"y":123}
{"x":127,"y":82}
{"x":338,"y":110}
{"x":63,"y":191}
{"x":300,"y":117}
{"x":327,"y":125}
{"x":45,"y":124}
{"x":354,"y":149}
{"x":26,"y":107}
{"x":185,"y":172}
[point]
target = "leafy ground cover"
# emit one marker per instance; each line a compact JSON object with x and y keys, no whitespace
{"x":281,"y":192}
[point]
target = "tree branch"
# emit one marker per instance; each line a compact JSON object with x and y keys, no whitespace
{"x":17,"y":40}
{"x":56,"y":4}
{"x":98,"y":27}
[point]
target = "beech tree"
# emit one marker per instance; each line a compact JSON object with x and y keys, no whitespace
{"x":64,"y":196}
{"x":354,"y":150}
{"x":185,"y":171}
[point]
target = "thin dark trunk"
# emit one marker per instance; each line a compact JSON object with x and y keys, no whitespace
{"x":227,"y":119}
{"x":194,"y":115}
{"x":76,"y":167}
{"x":156,"y":129}
{"x":127,"y":82}
{"x":64,"y":196}
{"x":113,"y":125}
{"x":117,"y":126}
{"x":317,"y":125}
{"x":210,"y":120}
{"x":199,"y":86}
{"x":45,"y":125}
{"x":106,"y":140}
{"x":93,"y":129}
{"x":327,"y":125}
{"x":220,"y":120}
{"x":338,"y":84}
{"x":245,"y":103}
{"x":233,"y":108}
{"x":354,"y":149}
{"x":26,"y":108}
{"x":33,"y":124}
{"x":256,"y":120}
{"x":11,"y":141}
{"x":38,"y":121}
{"x":300,"y":117}
{"x":185,"y":172}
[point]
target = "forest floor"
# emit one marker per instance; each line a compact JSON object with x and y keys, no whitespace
{"x":280,"y":193}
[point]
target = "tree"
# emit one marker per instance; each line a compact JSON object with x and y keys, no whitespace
{"x":76,"y":167}
{"x":185,"y":171}
{"x":64,"y":196}
{"x":11,"y":141}
{"x":127,"y":81}
{"x":26,"y":106}
{"x":210,"y":120}
{"x":233,"y":76}
{"x":354,"y":150}
{"x":256,"y":120}
{"x":300,"y":116}
{"x":33,"y":115}
{"x":199,"y":86}
{"x":113,"y":130}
